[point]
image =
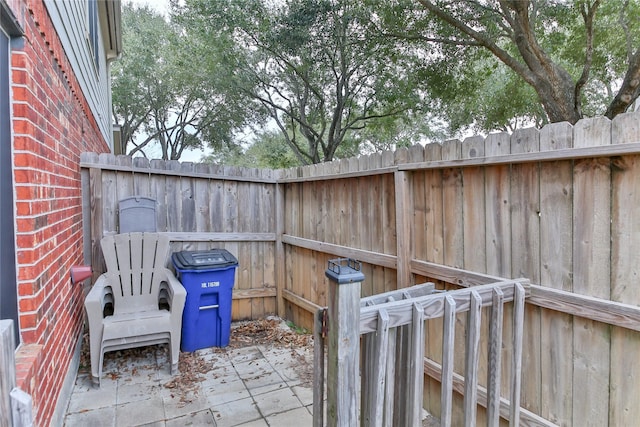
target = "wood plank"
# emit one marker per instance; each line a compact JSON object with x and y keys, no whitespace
{"x":625,"y":264}
{"x":589,"y":308}
{"x":255,"y":223}
{"x":85,"y":193}
{"x":341,"y":251}
{"x":216,"y":200}
{"x":343,"y":354}
{"x":498,"y":206}
{"x":452,"y":208}
{"x":188,"y":205}
{"x":141,"y":181}
{"x":556,"y":241}
{"x":158,"y":192}
{"x":318,"y":368}
{"x":388,"y":230}
{"x":389,"y":399}
{"x":474,"y":236}
{"x":433,"y":252}
{"x":597,"y":309}
{"x":279,"y":262}
{"x":416,"y":367}
{"x":433,"y":305}
{"x":404,"y":293}
{"x":303,"y":303}
{"x":453,"y":237}
{"x":97,"y":225}
{"x":254,"y":293}
{"x":7,"y":370}
{"x":525,"y":255}
{"x":516,"y":356}
{"x":531,"y":157}
{"x":174,"y":198}
{"x":592,"y":274}
{"x":178,"y":236}
{"x":448,"y":341}
{"x":495,"y":358}
{"x":377,"y":231}
{"x":456,"y":276}
{"x":404,"y":210}
{"x":379,"y":360}
{"x":473,"y":207}
{"x":109,"y":207}
{"x":527,"y":418}
{"x":166,"y":170}
{"x":419,"y":223}
{"x":472,"y":356}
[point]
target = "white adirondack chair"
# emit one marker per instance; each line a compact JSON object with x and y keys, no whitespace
{"x":137,"y":302}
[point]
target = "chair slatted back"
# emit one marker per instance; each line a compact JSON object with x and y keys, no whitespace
{"x":133,"y":261}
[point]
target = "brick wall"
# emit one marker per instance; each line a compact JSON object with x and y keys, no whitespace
{"x":52,"y":125}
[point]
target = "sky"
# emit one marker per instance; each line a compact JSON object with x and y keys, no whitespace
{"x":161,"y":6}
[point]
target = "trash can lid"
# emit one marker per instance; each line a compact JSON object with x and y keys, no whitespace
{"x":203,"y":260}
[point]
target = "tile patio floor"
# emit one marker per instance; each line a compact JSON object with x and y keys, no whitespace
{"x":253,"y":385}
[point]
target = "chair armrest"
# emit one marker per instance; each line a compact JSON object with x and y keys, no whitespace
{"x":176,"y":292}
{"x":95,"y":301}
{"x":98,"y":295}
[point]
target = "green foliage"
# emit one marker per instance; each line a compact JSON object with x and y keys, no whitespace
{"x":162,"y":96}
{"x":338,"y":78}
{"x":298,"y":329}
{"x":486,"y":77}
{"x":317,"y":68}
{"x":267,"y":151}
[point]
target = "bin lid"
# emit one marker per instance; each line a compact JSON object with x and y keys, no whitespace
{"x":203,"y":260}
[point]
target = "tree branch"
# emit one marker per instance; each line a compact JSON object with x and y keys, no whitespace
{"x":482,"y":40}
{"x":630,"y":89}
{"x":588,"y":12}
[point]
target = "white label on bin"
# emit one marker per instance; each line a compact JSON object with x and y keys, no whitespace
{"x":205,"y":285}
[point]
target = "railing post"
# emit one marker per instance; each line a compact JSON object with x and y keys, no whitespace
{"x":345,"y":280}
{"x":319,"y":323}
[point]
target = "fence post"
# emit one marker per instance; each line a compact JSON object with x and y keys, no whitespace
{"x":7,"y":371}
{"x":345,"y":280}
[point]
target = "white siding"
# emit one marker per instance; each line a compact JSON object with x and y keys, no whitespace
{"x":70,"y":19}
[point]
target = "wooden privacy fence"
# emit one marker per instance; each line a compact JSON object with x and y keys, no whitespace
{"x":391,"y":368}
{"x":199,"y":206}
{"x":558,"y":205}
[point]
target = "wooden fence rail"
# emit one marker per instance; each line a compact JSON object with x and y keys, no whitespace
{"x":392,"y":327}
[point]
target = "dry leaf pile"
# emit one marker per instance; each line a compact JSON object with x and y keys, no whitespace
{"x":268,"y":331}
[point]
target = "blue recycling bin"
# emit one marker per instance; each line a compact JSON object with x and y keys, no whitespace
{"x":208,"y":277}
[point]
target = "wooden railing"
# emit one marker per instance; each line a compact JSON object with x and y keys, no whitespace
{"x":389,"y":376}
{"x":15,"y":404}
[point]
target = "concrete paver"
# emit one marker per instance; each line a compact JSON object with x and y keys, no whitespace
{"x":251,"y":386}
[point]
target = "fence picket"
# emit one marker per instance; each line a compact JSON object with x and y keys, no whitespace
{"x":390,"y":384}
{"x":416,"y":366}
{"x":495,"y":358}
{"x":516,"y":356}
{"x":472,"y":354}
{"x":378,"y":380}
{"x":448,"y":340}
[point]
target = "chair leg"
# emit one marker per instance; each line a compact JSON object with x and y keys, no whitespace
{"x":98,"y":380}
{"x":175,"y":354}
{"x":96,"y":365}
